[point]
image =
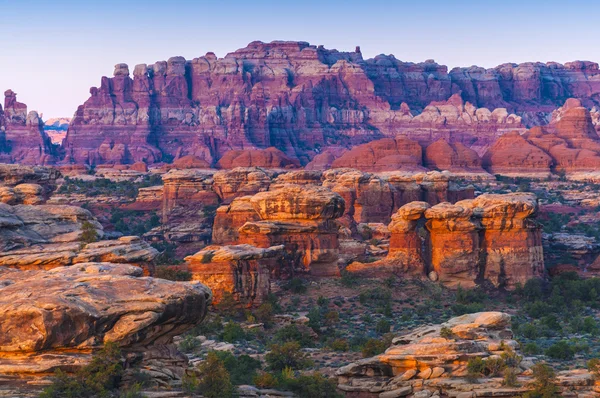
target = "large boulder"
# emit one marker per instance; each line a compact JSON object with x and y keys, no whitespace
{"x":70,"y":311}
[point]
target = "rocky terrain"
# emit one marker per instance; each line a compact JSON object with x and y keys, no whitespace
{"x":295,"y":221}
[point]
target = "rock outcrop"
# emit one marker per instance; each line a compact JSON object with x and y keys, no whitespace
{"x":432,"y":361}
{"x":271,"y":158}
{"x":492,"y":238}
{"x":301,"y":99}
{"x":68,"y":312}
{"x":22,"y":136}
{"x":242,"y":270}
{"x":302,"y":219}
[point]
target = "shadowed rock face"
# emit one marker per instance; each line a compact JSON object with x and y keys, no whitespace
{"x":301,"y":99}
{"x":22,"y":136}
{"x":77,"y":309}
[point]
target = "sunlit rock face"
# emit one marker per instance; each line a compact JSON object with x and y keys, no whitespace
{"x":492,"y":238}
{"x":80,"y":308}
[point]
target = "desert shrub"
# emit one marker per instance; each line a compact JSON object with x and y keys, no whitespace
{"x":593,"y":365}
{"x":528,"y":330}
{"x":228,"y":306}
{"x":532,"y":349}
{"x":313,"y":386}
{"x":331,"y":318}
{"x":561,"y":350}
{"x":590,"y":326}
{"x":340,"y":345}
{"x":88,"y":233}
{"x":296,"y":285}
{"x":214,"y":380}
{"x":446,"y":333}
{"x":349,"y":279}
{"x":287,"y":355}
{"x":510,"y":377}
{"x":494,"y":366}
{"x":233,"y":332}
{"x":242,"y":369}
{"x":101,"y":376}
{"x":265,"y":380}
{"x":383,"y":326}
{"x":172,"y":273}
{"x":314,"y":319}
{"x":298,"y":333}
{"x":544,"y":385}
{"x":264,"y":313}
{"x":475,"y":368}
{"x":461,"y":309}
{"x":188,"y":344}
{"x":166,"y":255}
{"x":376,"y":297}
{"x":322,"y":301}
{"x":373,"y":347}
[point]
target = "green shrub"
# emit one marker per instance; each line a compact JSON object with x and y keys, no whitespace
{"x":314,"y":319}
{"x":172,"y":273}
{"x":214,"y":381}
{"x":88,"y":233}
{"x":373,"y":347}
{"x":296,"y":285}
{"x":188,"y":344}
{"x":544,"y":385}
{"x":101,"y":376}
{"x":287,"y":355}
{"x":475,"y":369}
{"x":242,"y":369}
{"x":340,"y":345}
{"x":383,"y":326}
{"x":332,"y":318}
{"x":298,"y":333}
{"x":561,"y":350}
{"x":229,"y":306}
{"x":233,"y":332}
{"x":446,"y":333}
{"x":265,"y":380}
{"x":313,"y":386}
{"x":264,"y":313}
{"x":349,"y":279}
{"x":510,"y":378}
{"x":532,"y":349}
{"x":593,"y":365}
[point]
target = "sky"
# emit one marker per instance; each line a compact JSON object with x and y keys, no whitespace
{"x":53,"y":51}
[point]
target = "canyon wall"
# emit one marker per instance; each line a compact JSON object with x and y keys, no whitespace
{"x":22,"y":136}
{"x":304,"y":100}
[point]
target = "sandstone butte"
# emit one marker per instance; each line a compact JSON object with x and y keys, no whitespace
{"x":491,"y":238}
{"x":286,"y":104}
{"x":427,"y":360}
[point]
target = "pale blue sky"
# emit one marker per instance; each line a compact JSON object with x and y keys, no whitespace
{"x":51,"y":52}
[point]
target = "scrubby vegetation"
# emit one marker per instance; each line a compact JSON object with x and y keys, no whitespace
{"x":104,"y":186}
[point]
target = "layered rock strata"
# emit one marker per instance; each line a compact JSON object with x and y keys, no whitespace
{"x":302,"y":219}
{"x":433,"y":360}
{"x":492,"y":238}
{"x":242,"y":270}
{"x":76,"y":310}
{"x":22,"y":136}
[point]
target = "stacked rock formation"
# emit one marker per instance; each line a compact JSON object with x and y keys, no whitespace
{"x":22,"y":136}
{"x":301,"y":219}
{"x":291,"y":96}
{"x":48,"y":236}
{"x":491,"y":238}
{"x":569,"y":143}
{"x":432,"y":361}
{"x":242,"y":270}
{"x":69,"y":312}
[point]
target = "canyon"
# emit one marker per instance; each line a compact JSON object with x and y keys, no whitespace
{"x":287,"y":193}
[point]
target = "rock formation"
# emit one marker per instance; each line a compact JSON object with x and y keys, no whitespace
{"x":301,"y":219}
{"x":242,"y":270}
{"x":433,"y":360}
{"x":241,"y":181}
{"x":68,"y":312}
{"x":22,"y":136}
{"x":271,"y":158}
{"x":492,"y":238}
{"x":291,"y":96}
